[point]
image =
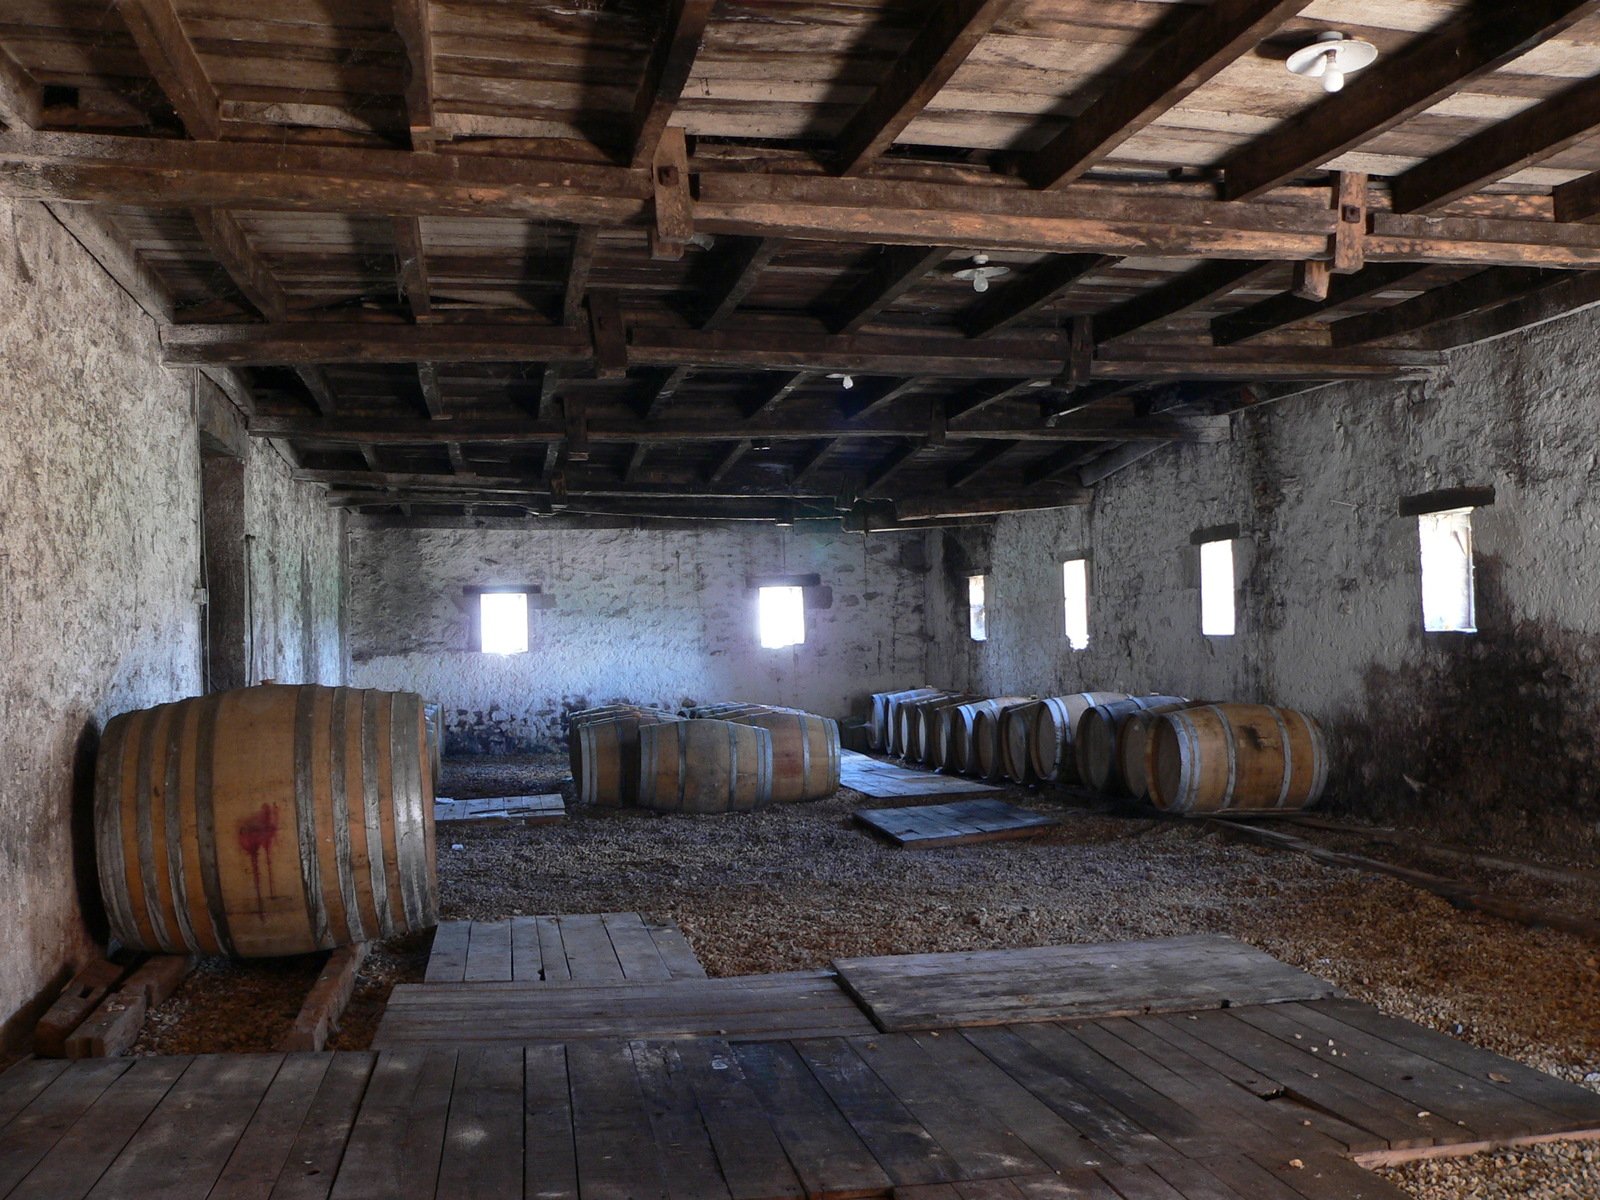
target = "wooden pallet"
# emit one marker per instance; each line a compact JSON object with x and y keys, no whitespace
{"x":500,"y":810}
{"x":885,"y":780}
{"x":997,"y":987}
{"x":1268,"y":1102}
{"x":930,"y":826}
{"x":586,"y":947}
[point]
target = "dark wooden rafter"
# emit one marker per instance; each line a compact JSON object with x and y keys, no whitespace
{"x":1198,"y":47}
{"x":1057,"y":463}
{"x":662,"y":389}
{"x":666,"y":74}
{"x":979,"y":461}
{"x":1474,"y":294}
{"x":458,"y":460}
{"x":319,"y":389}
{"x":1578,"y":291}
{"x":549,"y":390}
{"x":636,"y":461}
{"x":735,"y":271}
{"x":579,"y":265}
{"x":811,"y":462}
{"x":979,"y":396}
{"x":609,"y":335}
{"x":411,"y":22}
{"x":953,"y":31}
{"x":889,"y":466}
{"x":784,"y":387}
{"x":1040,"y":286}
{"x":893,"y":273}
{"x":167,"y":51}
{"x":412,"y":266}
{"x":228,"y":244}
{"x":876,"y":397}
{"x":1502,"y":149}
{"x":1064,"y":403}
{"x":1109,"y":462}
{"x":21,"y":95}
{"x":1430,"y":68}
{"x":1193,"y":289}
{"x":432,"y":392}
{"x":1270,"y":315}
{"x":728,"y":460}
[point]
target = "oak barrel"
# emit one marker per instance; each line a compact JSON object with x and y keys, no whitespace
{"x":1055,"y":722}
{"x":704,"y":766}
{"x":984,"y":759}
{"x":962,"y":754}
{"x":905,"y":735}
{"x":805,"y":753}
{"x":1016,"y":742}
{"x":878,"y":728}
{"x":1231,"y":757}
{"x":604,"y":753}
{"x":1095,"y":743}
{"x":894,"y":742}
{"x":924,"y":724}
{"x":266,"y":821}
{"x":1133,"y":735}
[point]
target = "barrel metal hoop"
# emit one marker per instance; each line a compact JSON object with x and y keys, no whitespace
{"x":341,"y":819}
{"x":172,"y":814}
{"x":305,"y":816}
{"x":1288,"y":758}
{"x":108,"y":829}
{"x":1233,"y":755}
{"x":805,"y":752}
{"x":405,"y":772}
{"x":1319,"y":757}
{"x":372,"y":817}
{"x":151,"y":720}
{"x":1188,"y":762}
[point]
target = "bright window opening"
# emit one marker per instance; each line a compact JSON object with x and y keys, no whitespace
{"x":503,"y":622}
{"x":781,"y":614}
{"x":1447,"y":600}
{"x":1075,"y":594}
{"x":977,"y":610}
{"x":1216,"y":588}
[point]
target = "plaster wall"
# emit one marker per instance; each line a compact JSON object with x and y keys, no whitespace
{"x":1329,"y":579}
{"x":658,"y":616}
{"x":99,"y":568}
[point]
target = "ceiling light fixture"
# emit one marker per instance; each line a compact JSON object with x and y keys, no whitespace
{"x":1332,"y":57}
{"x":847,"y":381}
{"x":980,"y":272}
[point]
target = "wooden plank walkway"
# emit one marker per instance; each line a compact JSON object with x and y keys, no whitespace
{"x":996,"y":987}
{"x":500,"y":810}
{"x":582,"y":948}
{"x":1216,"y":1105}
{"x":931,"y":826}
{"x":886,"y":780}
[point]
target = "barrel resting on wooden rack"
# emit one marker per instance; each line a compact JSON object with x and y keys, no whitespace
{"x":265,"y":821}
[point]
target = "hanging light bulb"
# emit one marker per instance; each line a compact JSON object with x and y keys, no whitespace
{"x":1331,"y":58}
{"x":849,"y":382}
{"x":1332,"y":76}
{"x":980,"y":273}
{"x":980,"y":283}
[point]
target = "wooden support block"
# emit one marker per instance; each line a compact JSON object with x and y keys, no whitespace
{"x":610,"y":337}
{"x":1080,"y":354}
{"x":78,"y":999}
{"x":158,"y":977}
{"x":1312,"y":279}
{"x":674,"y":211}
{"x":111,"y":1029}
{"x":1350,"y":234}
{"x":325,"y":1003}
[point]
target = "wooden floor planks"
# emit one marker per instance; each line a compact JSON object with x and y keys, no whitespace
{"x":931,"y":826}
{"x":1266,"y":1101}
{"x":885,"y":780}
{"x":498,"y":812}
{"x":586,"y":948}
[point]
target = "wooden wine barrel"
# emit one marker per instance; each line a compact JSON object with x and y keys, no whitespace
{"x":907,"y":738}
{"x":1095,"y":743}
{"x":894,"y":737}
{"x":805,"y":753}
{"x":1054,"y":723}
{"x":266,"y":821}
{"x":1232,"y":757}
{"x":883,"y":714}
{"x":985,"y":760}
{"x":433,"y":721}
{"x":604,"y":753}
{"x":704,"y":766}
{"x":1016,"y":742}
{"x":965,"y":732}
{"x":1133,"y":736}
{"x":925,"y":724}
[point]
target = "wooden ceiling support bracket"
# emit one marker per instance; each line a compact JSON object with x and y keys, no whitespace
{"x":412,"y":266}
{"x":674,"y":211}
{"x":1350,"y":234}
{"x":609,"y":334}
{"x":411,"y":23}
{"x":584,"y":239}
{"x":1312,"y":279}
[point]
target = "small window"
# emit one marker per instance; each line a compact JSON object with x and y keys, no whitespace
{"x":781,"y":615}
{"x":1075,"y":595}
{"x":1216,"y":588}
{"x":503,"y":622}
{"x":977,"y":610}
{"x":1447,"y":599}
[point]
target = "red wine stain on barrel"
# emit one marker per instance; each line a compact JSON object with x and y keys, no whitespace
{"x":256,"y":835}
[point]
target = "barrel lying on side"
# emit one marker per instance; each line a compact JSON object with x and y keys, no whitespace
{"x":1133,"y":736}
{"x":266,"y":821}
{"x":1055,"y":722}
{"x":704,"y":766}
{"x":1231,"y":757}
{"x":1016,"y":742}
{"x":924,"y":717}
{"x":604,"y":753}
{"x":1096,"y":743}
{"x":805,"y":753}
{"x":883,"y":703}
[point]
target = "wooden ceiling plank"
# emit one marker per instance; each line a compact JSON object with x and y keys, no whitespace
{"x":734,"y":274}
{"x":412,"y":266}
{"x":226,"y":240}
{"x":158,"y":34}
{"x":1205,"y":43}
{"x":895,"y":272}
{"x":1430,"y":68}
{"x":981,"y":459}
{"x":432,"y":393}
{"x":21,"y":95}
{"x":411,"y":22}
{"x":321,"y":391}
{"x":889,"y":466}
{"x":1270,"y":315}
{"x":663,"y":389}
{"x":584,"y":240}
{"x":952,"y":32}
{"x":1041,"y":286}
{"x":1502,"y":149}
{"x":1189,"y":291}
{"x":730,"y":459}
{"x":1474,"y":294}
{"x":667,"y":73}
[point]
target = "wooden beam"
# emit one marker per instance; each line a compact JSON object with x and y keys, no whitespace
{"x":416,"y":33}
{"x":728,"y":461}
{"x":1313,"y":280}
{"x":1349,"y":243}
{"x":943,"y":506}
{"x":1080,"y":351}
{"x":889,"y":466}
{"x":1578,"y":200}
{"x":1043,"y":285}
{"x":1064,"y":404}
{"x":811,"y":462}
{"x":1169,"y":301}
{"x":895,"y":271}
{"x":630,"y":473}
{"x":576,"y":290}
{"x":21,"y":96}
{"x":875,"y":398}
{"x":609,"y":334}
{"x":549,"y":390}
{"x":1270,"y":315}
{"x":952,"y":32}
{"x":1474,"y":294}
{"x":325,"y":1002}
{"x":1577,"y":292}
{"x":166,"y":49}
{"x":673,"y":209}
{"x":1501,"y":149}
{"x":980,"y":396}
{"x":458,"y":459}
{"x":1428,"y":69}
{"x":432,"y":393}
{"x":316,"y":383}
{"x":663,"y":389}
{"x":734,"y":272}
{"x":226,"y":240}
{"x":1154,"y":80}
{"x":577,"y":429}
{"x":1109,"y":462}
{"x":981,"y":459}
{"x":667,"y":73}
{"x":781,"y":390}
{"x":1058,"y":463}
{"x":412,"y":266}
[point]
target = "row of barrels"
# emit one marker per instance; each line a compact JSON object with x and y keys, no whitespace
{"x":1182,"y":756}
{"x":706,"y":759}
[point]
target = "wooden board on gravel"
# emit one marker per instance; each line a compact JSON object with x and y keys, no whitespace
{"x":997,"y":987}
{"x":581,"y":947}
{"x":501,"y":810}
{"x":930,"y":826}
{"x":884,"y":780}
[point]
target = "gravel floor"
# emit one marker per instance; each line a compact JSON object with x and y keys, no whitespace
{"x":797,"y":886}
